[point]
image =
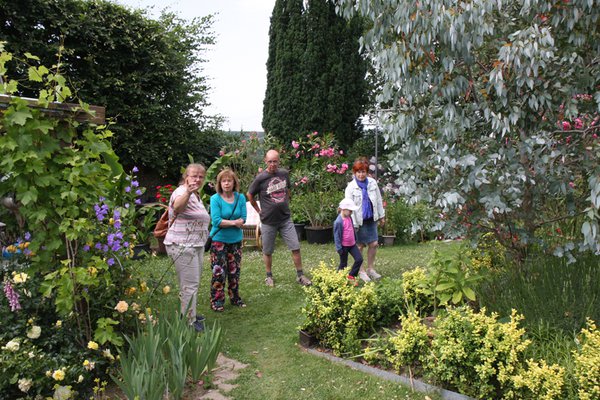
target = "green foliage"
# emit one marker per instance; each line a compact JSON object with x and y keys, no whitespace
{"x":547,"y":290}
{"x":538,"y":380}
{"x":492,"y":108}
{"x":317,"y":208}
{"x":474,"y":353}
{"x":398,"y":219}
{"x":410,"y":344}
{"x":587,"y":363}
{"x":316,"y":74}
{"x":415,"y":295}
{"x":390,"y":301}
{"x":488,"y":255}
{"x":162,"y":354}
{"x":337,"y":313}
{"x":245,"y":155}
{"x":147,"y":73}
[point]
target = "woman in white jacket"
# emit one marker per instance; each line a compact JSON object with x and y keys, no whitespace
{"x":365,"y":193}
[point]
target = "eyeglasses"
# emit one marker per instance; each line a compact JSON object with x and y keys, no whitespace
{"x":272,"y":161}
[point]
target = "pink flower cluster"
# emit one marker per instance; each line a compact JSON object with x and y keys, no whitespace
{"x":333,"y":168}
{"x":302,"y":181}
{"x":330,"y":152}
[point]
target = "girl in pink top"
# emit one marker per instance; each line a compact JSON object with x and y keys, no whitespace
{"x":345,"y":239}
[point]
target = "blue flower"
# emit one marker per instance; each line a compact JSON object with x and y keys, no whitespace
{"x":135,"y":169}
{"x":27,"y":236}
{"x":110,"y":262}
{"x":127,"y":189}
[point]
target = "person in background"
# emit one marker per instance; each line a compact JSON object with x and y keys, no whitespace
{"x":228,"y":214}
{"x":188,"y":230}
{"x":364,"y":192}
{"x":345,"y":239}
{"x":272,"y":186}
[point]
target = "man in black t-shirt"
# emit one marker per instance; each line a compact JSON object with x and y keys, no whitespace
{"x":272,"y":186}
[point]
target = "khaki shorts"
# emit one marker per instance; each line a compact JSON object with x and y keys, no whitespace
{"x":288,"y":234}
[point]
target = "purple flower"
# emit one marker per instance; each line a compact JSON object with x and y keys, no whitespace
{"x":125,"y":244}
{"x":117,"y":224}
{"x":127,"y":205}
{"x":102,"y":198}
{"x":105,"y":248}
{"x":135,"y":184}
{"x":116,"y":246}
{"x":127,"y":189}
{"x":98,"y":246}
{"x":12,"y":296}
{"x":110,"y":262}
{"x":135,"y":169}
{"x":138,"y":201}
{"x":27,"y":236}
{"x":138,"y":192}
{"x":86,"y":248}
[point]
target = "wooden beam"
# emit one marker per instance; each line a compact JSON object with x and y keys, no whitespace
{"x":61,"y":109}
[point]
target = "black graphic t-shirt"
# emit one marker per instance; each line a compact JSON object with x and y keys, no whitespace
{"x":272,"y":192}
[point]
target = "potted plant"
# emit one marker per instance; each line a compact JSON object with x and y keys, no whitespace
{"x":398,"y":219}
{"x":320,"y":210}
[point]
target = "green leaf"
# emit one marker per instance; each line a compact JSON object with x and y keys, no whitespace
{"x":36,"y":74}
{"x":444,"y":286}
{"x":31,"y":56}
{"x":18,"y":117}
{"x":457,"y":297}
{"x":469,"y":293}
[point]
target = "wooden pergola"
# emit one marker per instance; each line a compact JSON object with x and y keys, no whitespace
{"x":60,"y":109}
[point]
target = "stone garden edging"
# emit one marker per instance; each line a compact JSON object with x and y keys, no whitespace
{"x":389,"y":376}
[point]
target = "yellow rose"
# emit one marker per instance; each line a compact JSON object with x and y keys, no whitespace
{"x":92,"y":271}
{"x":58,"y":323}
{"x":143,"y":287}
{"x":122,"y":306}
{"x":20,"y":278}
{"x":58,"y":375}
{"x":166,"y":289}
{"x":92,"y":345}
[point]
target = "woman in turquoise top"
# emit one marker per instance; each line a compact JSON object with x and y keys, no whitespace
{"x":228,"y":214}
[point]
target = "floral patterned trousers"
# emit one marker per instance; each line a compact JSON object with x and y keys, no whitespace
{"x":225,"y":260}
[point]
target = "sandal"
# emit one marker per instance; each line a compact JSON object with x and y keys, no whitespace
{"x":217,"y":308}
{"x":239,"y":303}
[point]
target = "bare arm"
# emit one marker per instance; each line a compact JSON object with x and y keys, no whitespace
{"x":253,"y":202}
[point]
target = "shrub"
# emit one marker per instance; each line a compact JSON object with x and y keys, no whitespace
{"x":414,"y":294}
{"x":474,"y":353}
{"x":390,"y":301}
{"x":538,"y":381}
{"x":410,"y":344}
{"x":587,"y":363}
{"x":337,"y":313}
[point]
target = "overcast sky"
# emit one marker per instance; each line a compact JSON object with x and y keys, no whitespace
{"x":236,"y":65}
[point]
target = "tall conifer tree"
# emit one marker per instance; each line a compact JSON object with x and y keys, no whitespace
{"x":315,"y":73}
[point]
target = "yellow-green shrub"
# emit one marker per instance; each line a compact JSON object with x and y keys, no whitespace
{"x":488,"y":255}
{"x":410,"y":344}
{"x":414,"y":294}
{"x":337,"y":313}
{"x":538,"y":381}
{"x":587,"y":363}
{"x":474,"y":353}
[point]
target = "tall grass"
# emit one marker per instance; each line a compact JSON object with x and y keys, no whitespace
{"x":547,"y":291}
{"x":555,"y":298}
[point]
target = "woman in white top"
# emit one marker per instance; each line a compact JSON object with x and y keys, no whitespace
{"x":365,"y":194}
{"x":185,"y":239}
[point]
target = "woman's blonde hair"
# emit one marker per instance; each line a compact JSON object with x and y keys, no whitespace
{"x":227,"y":173}
{"x":198,"y":166}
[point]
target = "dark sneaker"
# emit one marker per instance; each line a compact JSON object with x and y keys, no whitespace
{"x":199,"y":324}
{"x":303,"y":280}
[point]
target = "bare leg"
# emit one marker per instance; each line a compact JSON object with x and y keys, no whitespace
{"x":297,"y":258}
{"x":371,"y":252}
{"x":361,"y":246}
{"x":268,"y":259}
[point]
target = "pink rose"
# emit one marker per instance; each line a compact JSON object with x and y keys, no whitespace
{"x":578,"y":123}
{"x":566,"y":126}
{"x":295,"y":144}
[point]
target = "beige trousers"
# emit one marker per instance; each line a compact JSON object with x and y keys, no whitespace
{"x":188,"y":264}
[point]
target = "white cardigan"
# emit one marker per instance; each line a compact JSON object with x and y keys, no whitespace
{"x":354,"y":193}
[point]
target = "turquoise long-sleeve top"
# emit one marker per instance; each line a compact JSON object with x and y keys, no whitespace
{"x":220,"y":210}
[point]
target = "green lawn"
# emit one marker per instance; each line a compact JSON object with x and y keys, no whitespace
{"x":265,"y":334}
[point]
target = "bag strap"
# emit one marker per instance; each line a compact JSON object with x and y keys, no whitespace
{"x":232,"y":212}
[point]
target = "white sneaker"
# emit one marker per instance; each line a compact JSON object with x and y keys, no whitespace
{"x":373,"y":274}
{"x":363,"y":275}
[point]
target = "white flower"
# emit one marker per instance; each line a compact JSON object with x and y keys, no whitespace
{"x":62,"y":393}
{"x":34,"y":332}
{"x":13,"y":345}
{"x":106,"y":353}
{"x":25,"y":384}
{"x":80,"y":379}
{"x":20,"y":278}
